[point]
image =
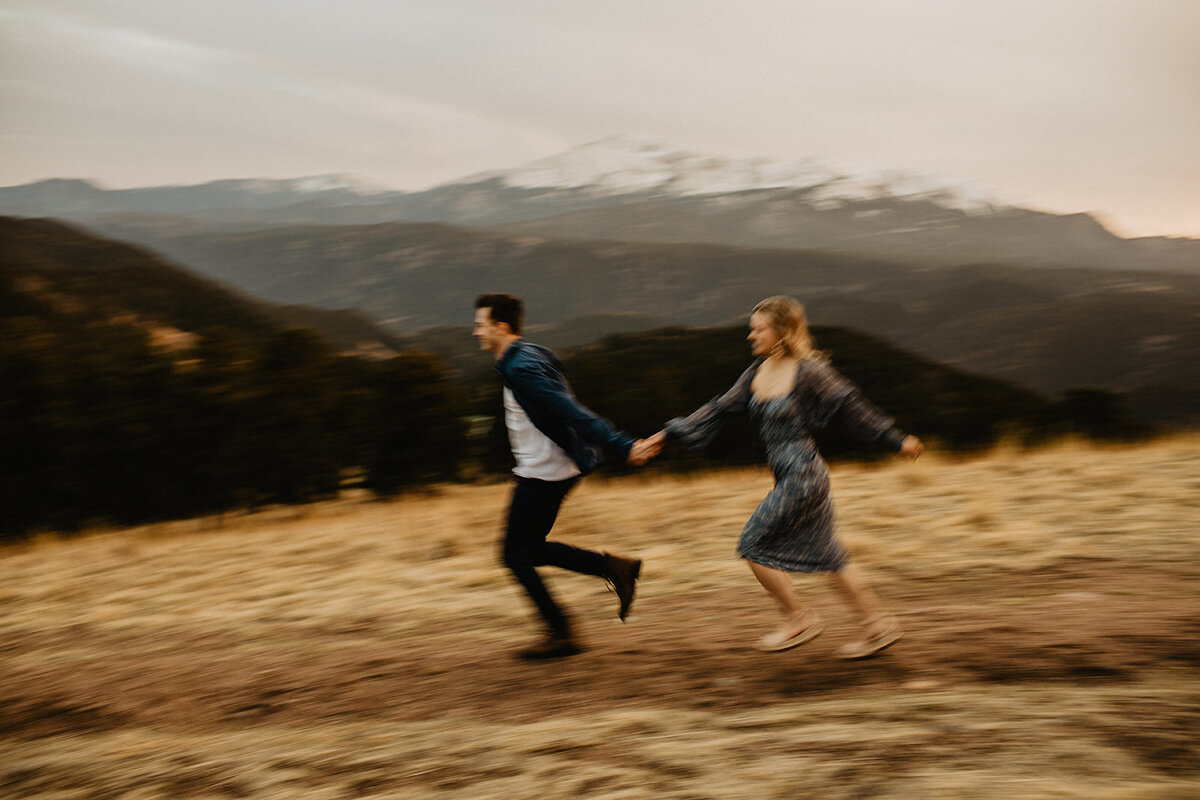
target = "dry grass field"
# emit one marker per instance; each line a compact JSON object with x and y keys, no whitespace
{"x":363,"y":649}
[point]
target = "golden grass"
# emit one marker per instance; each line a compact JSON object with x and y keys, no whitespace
{"x":935,"y":518}
{"x":1029,"y":742}
{"x":425,"y":566}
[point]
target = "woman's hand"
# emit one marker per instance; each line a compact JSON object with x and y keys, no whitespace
{"x":911,"y":447}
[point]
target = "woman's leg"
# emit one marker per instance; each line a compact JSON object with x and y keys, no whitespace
{"x":853,"y":587}
{"x":879,"y":629}
{"x":799,"y":625}
{"x":779,"y":585}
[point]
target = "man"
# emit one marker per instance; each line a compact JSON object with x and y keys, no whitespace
{"x":554,"y":441}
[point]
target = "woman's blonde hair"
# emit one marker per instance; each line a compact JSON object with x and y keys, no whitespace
{"x":791,"y":323}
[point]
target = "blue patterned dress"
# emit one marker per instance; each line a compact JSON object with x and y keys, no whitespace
{"x":793,"y":528}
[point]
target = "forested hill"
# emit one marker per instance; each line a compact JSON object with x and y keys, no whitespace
{"x":1051,"y":330}
{"x":70,"y":280}
{"x":134,"y":391}
{"x":640,"y":380}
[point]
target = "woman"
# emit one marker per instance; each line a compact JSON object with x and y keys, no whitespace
{"x":791,"y":390}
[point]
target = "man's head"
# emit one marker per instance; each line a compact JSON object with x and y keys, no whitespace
{"x":499,"y":318}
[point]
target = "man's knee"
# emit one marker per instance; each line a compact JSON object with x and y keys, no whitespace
{"x":514,"y":555}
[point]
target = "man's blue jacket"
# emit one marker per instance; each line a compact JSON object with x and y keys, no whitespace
{"x":534,"y":375}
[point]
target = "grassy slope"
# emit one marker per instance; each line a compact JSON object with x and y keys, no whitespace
{"x":361,"y":649}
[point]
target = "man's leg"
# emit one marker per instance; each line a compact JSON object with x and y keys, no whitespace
{"x":531,"y":515}
{"x":621,"y":572}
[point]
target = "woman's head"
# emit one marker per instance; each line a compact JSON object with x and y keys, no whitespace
{"x":778,"y":324}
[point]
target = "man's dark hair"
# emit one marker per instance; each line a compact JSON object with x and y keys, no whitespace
{"x":504,"y":308}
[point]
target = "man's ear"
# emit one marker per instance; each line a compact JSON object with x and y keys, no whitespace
{"x":504,"y":328}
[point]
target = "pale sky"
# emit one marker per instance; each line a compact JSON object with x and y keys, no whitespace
{"x":1062,"y":105}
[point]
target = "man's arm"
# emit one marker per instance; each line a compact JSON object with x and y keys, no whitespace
{"x":535,"y":382}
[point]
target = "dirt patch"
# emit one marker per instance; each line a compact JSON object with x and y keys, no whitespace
{"x":1084,"y":625}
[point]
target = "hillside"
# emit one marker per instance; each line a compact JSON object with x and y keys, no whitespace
{"x":678,"y":370}
{"x":137,"y":391}
{"x":364,"y":649}
{"x":1051,"y":330}
{"x":642,"y":379}
{"x":134,"y":391}
{"x":72,"y":280}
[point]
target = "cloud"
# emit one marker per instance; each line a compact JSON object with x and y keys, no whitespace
{"x":1026,"y":96}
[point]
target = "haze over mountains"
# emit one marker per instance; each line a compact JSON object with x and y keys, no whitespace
{"x":637,"y":235}
{"x":630,"y":189}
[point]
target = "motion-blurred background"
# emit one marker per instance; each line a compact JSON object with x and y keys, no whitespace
{"x":189,"y":328}
{"x":252,"y":463}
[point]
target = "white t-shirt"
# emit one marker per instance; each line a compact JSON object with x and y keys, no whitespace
{"x":536,"y":453}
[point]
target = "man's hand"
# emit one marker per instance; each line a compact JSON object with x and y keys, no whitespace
{"x":911,"y":447}
{"x":645,"y":449}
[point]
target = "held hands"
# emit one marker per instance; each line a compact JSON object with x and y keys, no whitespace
{"x":645,"y":449}
{"x":911,"y":447}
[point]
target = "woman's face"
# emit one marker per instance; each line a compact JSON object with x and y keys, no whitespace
{"x":762,"y":334}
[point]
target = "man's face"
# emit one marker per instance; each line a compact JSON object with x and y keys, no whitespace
{"x":489,"y":334}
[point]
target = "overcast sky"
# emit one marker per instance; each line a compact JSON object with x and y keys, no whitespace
{"x":1064,"y":105}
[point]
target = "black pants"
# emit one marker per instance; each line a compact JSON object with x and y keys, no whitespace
{"x":531,"y":515}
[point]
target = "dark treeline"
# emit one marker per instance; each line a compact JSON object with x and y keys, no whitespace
{"x":132,"y":391}
{"x":643,"y":379}
{"x":106,"y":428}
{"x":97,"y":425}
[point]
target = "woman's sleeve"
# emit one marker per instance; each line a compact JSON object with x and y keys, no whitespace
{"x":700,"y":428}
{"x":836,"y":398}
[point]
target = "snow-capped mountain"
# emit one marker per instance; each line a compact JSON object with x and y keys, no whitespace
{"x":635,"y":189}
{"x":313,"y":184}
{"x":632,"y":165}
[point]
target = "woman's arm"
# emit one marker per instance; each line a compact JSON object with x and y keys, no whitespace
{"x":699,"y":428}
{"x":835,"y":397}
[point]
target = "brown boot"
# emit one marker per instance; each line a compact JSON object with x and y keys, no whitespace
{"x":622,"y":573}
{"x":554,"y":645}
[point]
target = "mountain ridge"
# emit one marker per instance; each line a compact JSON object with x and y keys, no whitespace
{"x":632,"y":189}
{"x":632,"y":165}
{"x":1050,"y":329}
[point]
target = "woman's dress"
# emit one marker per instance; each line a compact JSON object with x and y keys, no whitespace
{"x":793,"y":527}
